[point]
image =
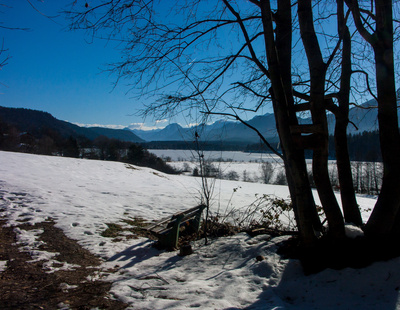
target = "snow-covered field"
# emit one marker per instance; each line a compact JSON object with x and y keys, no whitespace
{"x":247,"y":166}
{"x":232,"y":156}
{"x":83,"y":195}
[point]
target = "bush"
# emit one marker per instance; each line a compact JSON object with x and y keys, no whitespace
{"x":232,"y":175}
{"x":281,"y":178}
{"x":267,"y":171}
{"x":268,"y":212}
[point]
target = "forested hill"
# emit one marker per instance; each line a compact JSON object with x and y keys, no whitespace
{"x":38,"y":123}
{"x":43,"y":127}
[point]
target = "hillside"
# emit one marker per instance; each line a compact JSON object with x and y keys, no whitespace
{"x":84,"y":198}
{"x":38,"y":122}
{"x":221,"y":135}
{"x":231,"y":132}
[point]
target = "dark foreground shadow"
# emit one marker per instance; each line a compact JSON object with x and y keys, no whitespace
{"x":135,"y":254}
{"x":330,"y":279}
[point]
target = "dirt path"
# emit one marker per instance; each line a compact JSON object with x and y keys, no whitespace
{"x":27,"y":285}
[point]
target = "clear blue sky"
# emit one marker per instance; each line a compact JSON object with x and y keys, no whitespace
{"x":57,"y":71}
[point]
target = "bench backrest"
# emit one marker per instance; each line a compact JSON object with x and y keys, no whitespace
{"x":180,"y":217}
{"x":188,"y":213}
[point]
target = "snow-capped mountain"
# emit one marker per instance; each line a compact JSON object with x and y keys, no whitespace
{"x":173,"y":132}
{"x":364,"y":118}
{"x":221,"y":130}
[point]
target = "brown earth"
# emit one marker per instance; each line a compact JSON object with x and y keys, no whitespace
{"x":27,"y":285}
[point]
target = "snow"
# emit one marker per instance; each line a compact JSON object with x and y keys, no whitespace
{"x":81,"y":196}
{"x":353,"y":231}
{"x":27,"y":242}
{"x":3,"y":265}
{"x":235,"y":156}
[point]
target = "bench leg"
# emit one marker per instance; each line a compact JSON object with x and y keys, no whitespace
{"x":170,"y":240}
{"x":196,"y":221}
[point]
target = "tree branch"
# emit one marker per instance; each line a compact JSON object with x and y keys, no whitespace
{"x":367,"y":82}
{"x":246,"y":36}
{"x":356,"y":12}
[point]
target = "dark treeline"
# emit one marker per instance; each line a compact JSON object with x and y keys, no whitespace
{"x":191,"y":145}
{"x":209,"y":146}
{"x":46,"y":141}
{"x":364,"y":146}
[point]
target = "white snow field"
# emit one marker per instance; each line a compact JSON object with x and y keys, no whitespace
{"x":83,"y":195}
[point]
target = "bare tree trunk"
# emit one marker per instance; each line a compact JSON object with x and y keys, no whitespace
{"x":375,"y":176}
{"x":298,"y":173}
{"x":279,"y":64}
{"x":382,"y":220}
{"x":347,"y":193}
{"x":385,"y":218}
{"x":320,"y":153}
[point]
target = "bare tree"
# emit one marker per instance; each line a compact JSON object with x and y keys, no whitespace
{"x":341,"y":111}
{"x":214,"y":59}
{"x":375,"y":24}
{"x":267,"y":172}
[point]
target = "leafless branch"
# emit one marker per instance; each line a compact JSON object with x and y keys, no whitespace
{"x":247,"y":38}
{"x":3,"y":61}
{"x":356,"y":12}
{"x":367,"y":82}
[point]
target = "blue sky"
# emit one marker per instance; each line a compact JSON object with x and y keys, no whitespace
{"x":57,"y":71}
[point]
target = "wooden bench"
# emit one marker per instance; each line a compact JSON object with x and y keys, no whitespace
{"x":167,"y":230}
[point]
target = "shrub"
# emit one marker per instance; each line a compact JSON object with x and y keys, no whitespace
{"x":281,"y":178}
{"x":267,"y":171}
{"x":232,"y":175}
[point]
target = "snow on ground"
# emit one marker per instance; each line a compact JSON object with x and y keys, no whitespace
{"x":83,"y":195}
{"x":3,"y":265}
{"x":250,"y":171}
{"x":231,"y":156}
{"x":246,"y":165}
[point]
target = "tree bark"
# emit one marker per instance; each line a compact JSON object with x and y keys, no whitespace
{"x":279,"y":67}
{"x":349,"y":202}
{"x":317,"y":91}
{"x":384,"y":219}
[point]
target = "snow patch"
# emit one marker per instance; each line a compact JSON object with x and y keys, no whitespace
{"x":3,"y":265}
{"x":353,"y":231}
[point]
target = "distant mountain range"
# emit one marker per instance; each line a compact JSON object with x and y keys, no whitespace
{"x":221,"y":130}
{"x":364,"y":117}
{"x":26,"y":120}
{"x":35,"y":122}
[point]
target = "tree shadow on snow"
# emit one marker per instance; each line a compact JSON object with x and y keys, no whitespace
{"x":327,"y":283}
{"x":135,"y":254}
